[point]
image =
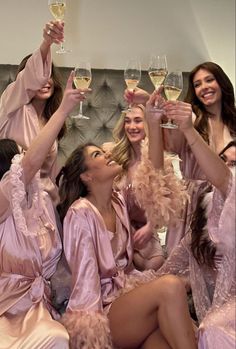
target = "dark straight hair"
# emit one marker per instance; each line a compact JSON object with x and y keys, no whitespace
{"x":8,"y":149}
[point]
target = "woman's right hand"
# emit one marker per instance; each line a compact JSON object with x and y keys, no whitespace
{"x":181,"y":113}
{"x":71,"y":96}
{"x":53,"y":33}
{"x":137,"y":96}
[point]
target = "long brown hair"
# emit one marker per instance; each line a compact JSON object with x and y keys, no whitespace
{"x":71,"y":187}
{"x":54,"y":101}
{"x":8,"y":149}
{"x":203,"y":249}
{"x":228,"y":112}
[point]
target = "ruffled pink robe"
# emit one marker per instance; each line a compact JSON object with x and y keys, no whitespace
{"x":213,"y":290}
{"x":138,"y":219}
{"x":18,"y":118}
{"x":30,"y":248}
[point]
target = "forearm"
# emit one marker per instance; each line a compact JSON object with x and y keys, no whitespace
{"x":213,"y":167}
{"x":155,"y":144}
{"x":39,"y":149}
{"x":44,"y":49}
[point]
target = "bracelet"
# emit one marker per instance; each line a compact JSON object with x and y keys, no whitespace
{"x":195,"y":140}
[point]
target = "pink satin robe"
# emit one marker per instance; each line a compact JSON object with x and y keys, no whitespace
{"x":213,"y":290}
{"x":99,"y":262}
{"x":18,"y":118}
{"x":102,"y":269}
{"x":30,"y":248}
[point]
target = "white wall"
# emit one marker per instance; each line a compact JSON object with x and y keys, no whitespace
{"x":108,"y":32}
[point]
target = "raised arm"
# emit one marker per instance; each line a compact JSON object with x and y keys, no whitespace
{"x":156,"y":186}
{"x":214,"y":168}
{"x":36,"y":73}
{"x":39,"y":148}
{"x":53,"y":32}
{"x":154,"y":112}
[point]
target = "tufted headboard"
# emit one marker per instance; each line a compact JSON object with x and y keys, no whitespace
{"x":103,"y":105}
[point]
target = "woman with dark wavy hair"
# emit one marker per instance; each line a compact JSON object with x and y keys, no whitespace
{"x":211,"y":97}
{"x":106,"y":308}
{"x":28,"y":102}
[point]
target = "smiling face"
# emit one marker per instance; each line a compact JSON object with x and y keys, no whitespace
{"x":46,"y":91}
{"x":207,"y":88}
{"x":134,"y":125}
{"x":99,"y":165}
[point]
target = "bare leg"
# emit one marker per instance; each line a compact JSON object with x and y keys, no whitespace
{"x":155,"y":340}
{"x":159,"y":304}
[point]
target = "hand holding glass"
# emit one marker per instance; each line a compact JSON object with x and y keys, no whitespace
{"x":157,"y":70}
{"x":173,"y":86}
{"x":82,"y":80}
{"x":58,"y":9}
{"x":132,"y":75}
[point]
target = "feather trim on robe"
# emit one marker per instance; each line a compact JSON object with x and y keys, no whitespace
{"x":160,"y":192}
{"x":87,"y":330}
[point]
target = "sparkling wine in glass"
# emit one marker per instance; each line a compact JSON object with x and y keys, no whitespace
{"x":58,"y":9}
{"x":157,"y":70}
{"x":82,"y":80}
{"x":173,"y":87}
{"x":132,"y":74}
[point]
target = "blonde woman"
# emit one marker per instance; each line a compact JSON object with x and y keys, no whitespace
{"x":128,"y":135}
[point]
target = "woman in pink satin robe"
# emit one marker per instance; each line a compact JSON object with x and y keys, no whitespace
{"x":30,"y":244}
{"x":211,"y":94}
{"x":106,"y":309}
{"x":206,"y":255}
{"x":29,"y":101}
{"x":128,"y":134}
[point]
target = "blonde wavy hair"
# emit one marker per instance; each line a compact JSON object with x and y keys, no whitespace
{"x":122,"y":149}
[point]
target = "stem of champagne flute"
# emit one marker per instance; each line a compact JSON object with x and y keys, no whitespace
{"x":81,"y":108}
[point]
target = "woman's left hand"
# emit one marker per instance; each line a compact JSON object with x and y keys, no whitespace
{"x":142,"y":236}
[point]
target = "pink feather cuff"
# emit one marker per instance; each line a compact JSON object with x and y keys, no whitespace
{"x":160,"y":192}
{"x":87,"y":330}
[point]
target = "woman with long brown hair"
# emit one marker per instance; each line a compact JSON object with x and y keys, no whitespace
{"x":28,"y":102}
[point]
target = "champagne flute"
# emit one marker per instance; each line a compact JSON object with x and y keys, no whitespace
{"x":173,"y":86}
{"x":132,"y":75}
{"x":82,"y":79}
{"x":157,"y":70}
{"x":58,"y":9}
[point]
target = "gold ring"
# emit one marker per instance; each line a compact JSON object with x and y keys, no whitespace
{"x":49,"y":31}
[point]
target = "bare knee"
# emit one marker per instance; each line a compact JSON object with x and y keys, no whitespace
{"x":171,"y":287}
